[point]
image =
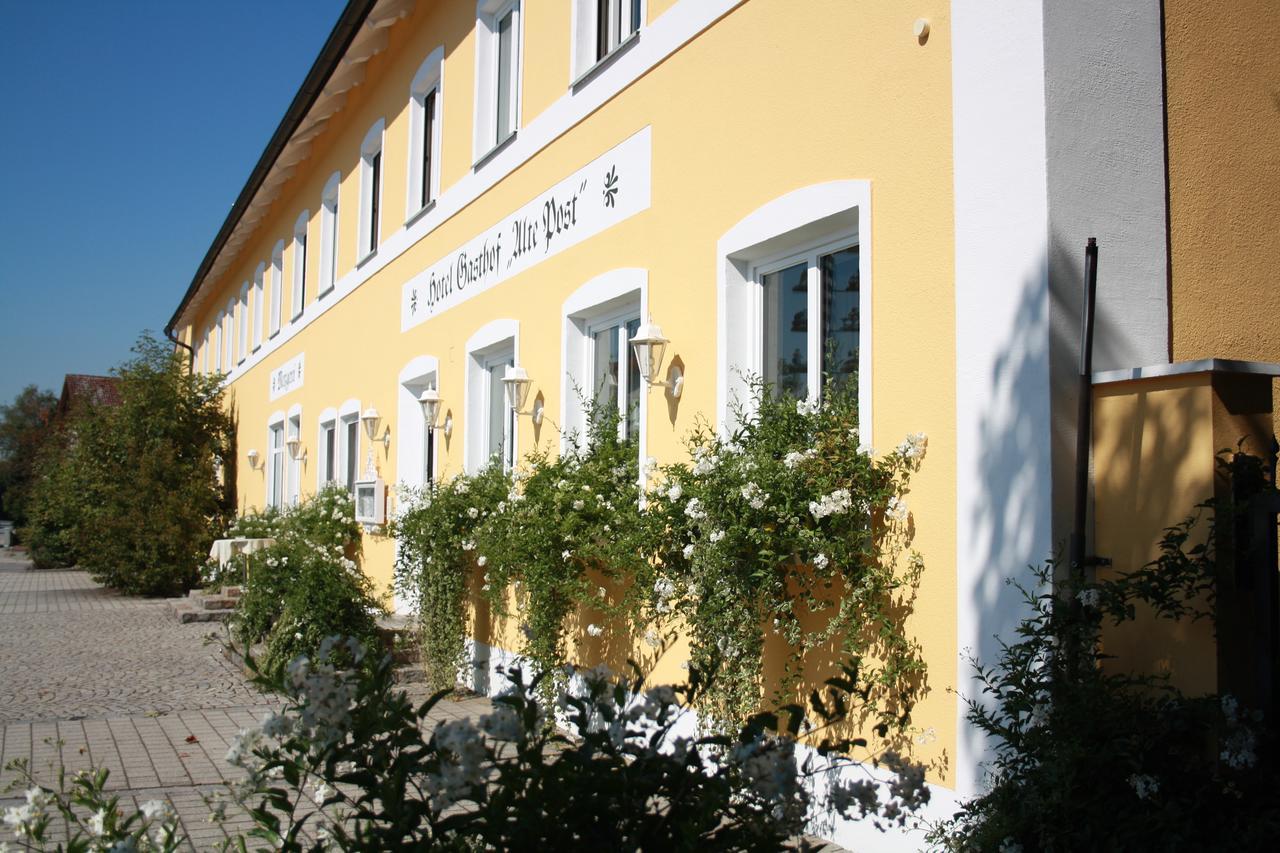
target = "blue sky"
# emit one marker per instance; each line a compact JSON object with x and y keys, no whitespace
{"x":128,"y":129}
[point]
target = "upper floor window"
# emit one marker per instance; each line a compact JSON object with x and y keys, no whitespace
{"x":258,"y":304}
{"x":601,"y":27}
{"x":215,"y":343}
{"x":229,"y":358}
{"x":300,"y":264}
{"x":497,"y":73}
{"x":277,"y":286}
{"x":370,"y":190}
{"x":329,"y":235}
{"x":244,"y":321}
{"x":424,"y":133}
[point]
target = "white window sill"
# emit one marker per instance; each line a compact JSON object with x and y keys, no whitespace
{"x":603,"y":62}
{"x":420,"y":212}
{"x":372,"y":253}
{"x":296,"y":317}
{"x":322,"y":294}
{"x":493,"y":152}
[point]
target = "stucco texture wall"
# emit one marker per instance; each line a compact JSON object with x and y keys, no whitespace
{"x":1223,"y":72}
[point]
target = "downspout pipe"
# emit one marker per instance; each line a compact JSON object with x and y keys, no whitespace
{"x":1079,"y":562}
{"x":191,"y":352}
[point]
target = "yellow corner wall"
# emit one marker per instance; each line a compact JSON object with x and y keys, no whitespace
{"x":1224,"y":177}
{"x":773,"y":97}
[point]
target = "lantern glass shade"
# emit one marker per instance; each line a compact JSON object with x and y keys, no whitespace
{"x":253,"y":459}
{"x":371,"y":419}
{"x":430,"y":402}
{"x":650,"y":346}
{"x":517,"y":384}
{"x":293,"y":444}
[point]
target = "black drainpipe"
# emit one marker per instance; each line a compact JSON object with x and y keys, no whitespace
{"x":1084,"y":417}
{"x":191,"y":357}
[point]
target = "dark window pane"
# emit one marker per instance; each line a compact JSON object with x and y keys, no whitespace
{"x":375,"y":180}
{"x":632,"y":413}
{"x":602,"y":28}
{"x":506,"y":47}
{"x":353,"y":450}
{"x":428,"y":135}
{"x":786,"y":326}
{"x":840,"y":318}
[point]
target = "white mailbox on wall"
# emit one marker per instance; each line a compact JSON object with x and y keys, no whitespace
{"x":371,"y":501}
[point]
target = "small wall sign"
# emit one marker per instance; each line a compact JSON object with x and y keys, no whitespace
{"x":608,"y":190}
{"x":287,"y":377}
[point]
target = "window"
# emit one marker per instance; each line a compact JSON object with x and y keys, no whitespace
{"x":348,"y":468}
{"x":275,"y":464}
{"x":417,"y":458}
{"x":277,"y":286}
{"x":327,"y":447}
{"x":795,"y":296}
{"x":600,"y":28}
{"x":229,"y":335}
{"x":613,"y":386}
{"x":370,"y":190}
{"x":215,"y":339}
{"x":497,"y":73}
{"x":490,"y":423}
{"x":258,"y":304}
{"x":294,"y":466}
{"x":329,"y":235}
{"x":425,"y":101}
{"x":244,"y":320}
{"x":300,"y":264}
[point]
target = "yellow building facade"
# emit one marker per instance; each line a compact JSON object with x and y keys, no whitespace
{"x":464,"y":188}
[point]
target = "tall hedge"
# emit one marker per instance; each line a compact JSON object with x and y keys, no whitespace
{"x":133,"y":492}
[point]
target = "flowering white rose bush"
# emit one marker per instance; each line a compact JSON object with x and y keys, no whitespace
{"x":1091,"y":756}
{"x":435,"y":529}
{"x":352,"y":761}
{"x":94,"y":820}
{"x":787,"y":526}
{"x":309,"y":584}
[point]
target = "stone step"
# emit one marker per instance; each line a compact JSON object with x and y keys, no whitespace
{"x":217,"y":602}
{"x":412,"y":674}
{"x":195,"y":593}
{"x":189,"y":611}
{"x":233,"y":591}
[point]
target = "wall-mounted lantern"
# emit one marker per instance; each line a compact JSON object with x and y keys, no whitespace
{"x":371,"y":420}
{"x":650,"y":346}
{"x":430,"y":402}
{"x":253,"y":460}
{"x":517,"y":384}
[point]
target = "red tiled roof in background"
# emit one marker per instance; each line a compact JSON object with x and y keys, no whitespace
{"x":79,"y":389}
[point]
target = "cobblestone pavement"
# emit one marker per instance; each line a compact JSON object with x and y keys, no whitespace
{"x":122,"y":685}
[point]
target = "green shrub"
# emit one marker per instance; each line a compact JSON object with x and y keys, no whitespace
{"x":308,"y":585}
{"x":132,"y":492}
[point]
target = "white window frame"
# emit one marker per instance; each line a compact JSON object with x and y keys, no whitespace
{"x":326,"y":473}
{"x":329,"y":200}
{"x":204,"y":351}
{"x":415,"y":441}
{"x":293,"y":467}
{"x":808,"y":220}
{"x":229,"y":316}
{"x":497,"y":341}
{"x":586,"y":56}
{"x":258,"y":303}
{"x":373,"y":174}
{"x":428,"y":80}
{"x":276,"y":451}
{"x":299,"y":293}
{"x":215,"y":342}
{"x":488,"y":15}
{"x":348,"y":412}
{"x":243,"y":322}
{"x":614,"y":296}
{"x":277,"y":286}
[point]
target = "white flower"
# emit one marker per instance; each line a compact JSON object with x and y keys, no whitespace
{"x":297,"y":635}
{"x":716,"y":536}
{"x":651,"y":638}
{"x":793,"y":459}
{"x":481,"y":560}
{"x":694,"y":510}
{"x":578,"y":505}
{"x":821,"y":561}
{"x":864,"y":449}
{"x":754,"y":496}
{"x":896,"y":509}
{"x":675,"y":492}
{"x":468,"y":545}
{"x":1144,"y":786}
{"x":98,"y":822}
{"x":688,"y":551}
{"x":566,"y":555}
{"x":807,"y":407}
{"x":472,"y":512}
{"x":594,"y":630}
{"x":838,"y":501}
{"x":1089,"y":597}
{"x":602,"y":592}
{"x":913,"y":446}
{"x":159,"y":810}
{"x":650,"y":465}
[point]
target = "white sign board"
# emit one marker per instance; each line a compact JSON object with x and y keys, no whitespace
{"x":608,"y":190}
{"x":287,"y":377}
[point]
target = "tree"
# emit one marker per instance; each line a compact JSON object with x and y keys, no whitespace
{"x":134,"y":493}
{"x":24,"y":427}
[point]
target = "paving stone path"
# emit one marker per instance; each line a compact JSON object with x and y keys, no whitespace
{"x":122,"y":685}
